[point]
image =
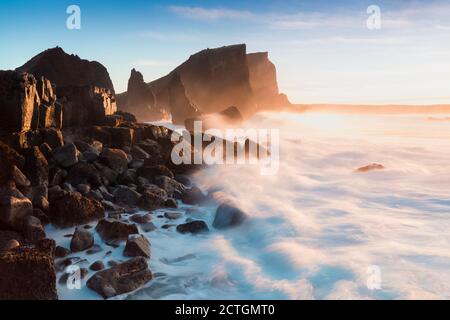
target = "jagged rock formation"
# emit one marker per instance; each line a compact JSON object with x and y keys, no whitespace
{"x":64,"y":69}
{"x":83,"y":87}
{"x":213,"y":80}
{"x":27,"y":103}
{"x":263,"y":80}
{"x":86,"y":105}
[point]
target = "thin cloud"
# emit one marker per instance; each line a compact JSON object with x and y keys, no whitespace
{"x":200,"y":13}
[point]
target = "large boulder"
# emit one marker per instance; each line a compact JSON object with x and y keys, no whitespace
{"x":82,"y":240}
{"x":126,"y":196}
{"x":122,"y":278}
{"x":67,"y":155}
{"x":36,"y":167}
{"x":28,"y":273}
{"x":14,"y":207}
{"x":137,"y":246}
{"x":111,"y":229}
{"x":32,"y":229}
{"x":228,"y":216}
{"x":9,"y":158}
{"x":193,"y":227}
{"x":116,"y":159}
{"x":71,"y":209}
{"x":151,"y":200}
{"x":84,"y":173}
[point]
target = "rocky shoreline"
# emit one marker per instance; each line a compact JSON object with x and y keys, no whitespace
{"x":69,"y":159}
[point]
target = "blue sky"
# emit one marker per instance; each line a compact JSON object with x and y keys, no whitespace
{"x":323,"y":50}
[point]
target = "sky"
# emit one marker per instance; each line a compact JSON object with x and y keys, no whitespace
{"x":323,"y":50}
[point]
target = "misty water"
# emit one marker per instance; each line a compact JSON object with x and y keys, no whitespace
{"x":318,"y":229}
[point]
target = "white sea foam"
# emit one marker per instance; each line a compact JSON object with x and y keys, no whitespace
{"x":317,"y":226}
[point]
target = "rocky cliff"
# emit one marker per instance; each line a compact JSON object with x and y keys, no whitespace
{"x":64,"y":69}
{"x":213,"y":80}
{"x":263,"y":80}
{"x":83,"y":87}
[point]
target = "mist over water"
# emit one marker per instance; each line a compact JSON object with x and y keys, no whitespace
{"x":317,"y":227}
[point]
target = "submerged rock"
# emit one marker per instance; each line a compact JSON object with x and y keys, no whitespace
{"x":193,"y":227}
{"x":121,"y":278}
{"x":227,"y":216}
{"x":371,"y":167}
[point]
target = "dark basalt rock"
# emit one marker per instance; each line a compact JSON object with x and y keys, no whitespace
{"x":116,"y":159}
{"x":8,"y":159}
{"x":97,"y":266}
{"x":151,"y":201}
{"x":81,"y":240}
{"x":64,"y":70}
{"x":126,"y":196}
{"x":28,"y":273}
{"x":121,"y":278}
{"x":137,"y":246}
{"x":111,"y":229}
{"x":36,"y":167}
{"x":84,"y":173}
{"x":67,"y":155}
{"x":140,"y":218}
{"x":151,"y":172}
{"x":72,"y":209}
{"x":193,"y":227}
{"x":228,"y":215}
{"x":32,"y":229}
{"x":14,"y":207}
{"x":193,"y":195}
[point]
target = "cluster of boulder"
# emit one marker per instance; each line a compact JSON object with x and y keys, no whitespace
{"x":68,"y":158}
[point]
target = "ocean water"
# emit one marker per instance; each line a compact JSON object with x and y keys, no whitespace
{"x":317,"y":229}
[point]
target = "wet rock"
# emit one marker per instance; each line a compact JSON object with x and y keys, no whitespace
{"x":193,"y":195}
{"x":172,"y":215}
{"x":170,"y":185}
{"x":193,"y":227}
{"x":122,"y":278}
{"x":141,"y":218}
{"x":32,"y":229}
{"x":28,"y":273}
{"x":227,"y":216}
{"x":125,"y":195}
{"x":61,"y":252}
{"x":97,"y":266}
{"x":73,"y":209}
{"x":148,"y":227}
{"x":81,"y":240}
{"x":116,"y":159}
{"x":137,"y":246}
{"x":95,"y":249}
{"x":67,"y":155}
{"x":171,"y":203}
{"x":110,"y":229}
{"x":151,"y":201}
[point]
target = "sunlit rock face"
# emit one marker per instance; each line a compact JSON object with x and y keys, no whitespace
{"x":27,"y":103}
{"x":210,"y":81}
{"x":263,"y":80}
{"x":83,"y":87}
